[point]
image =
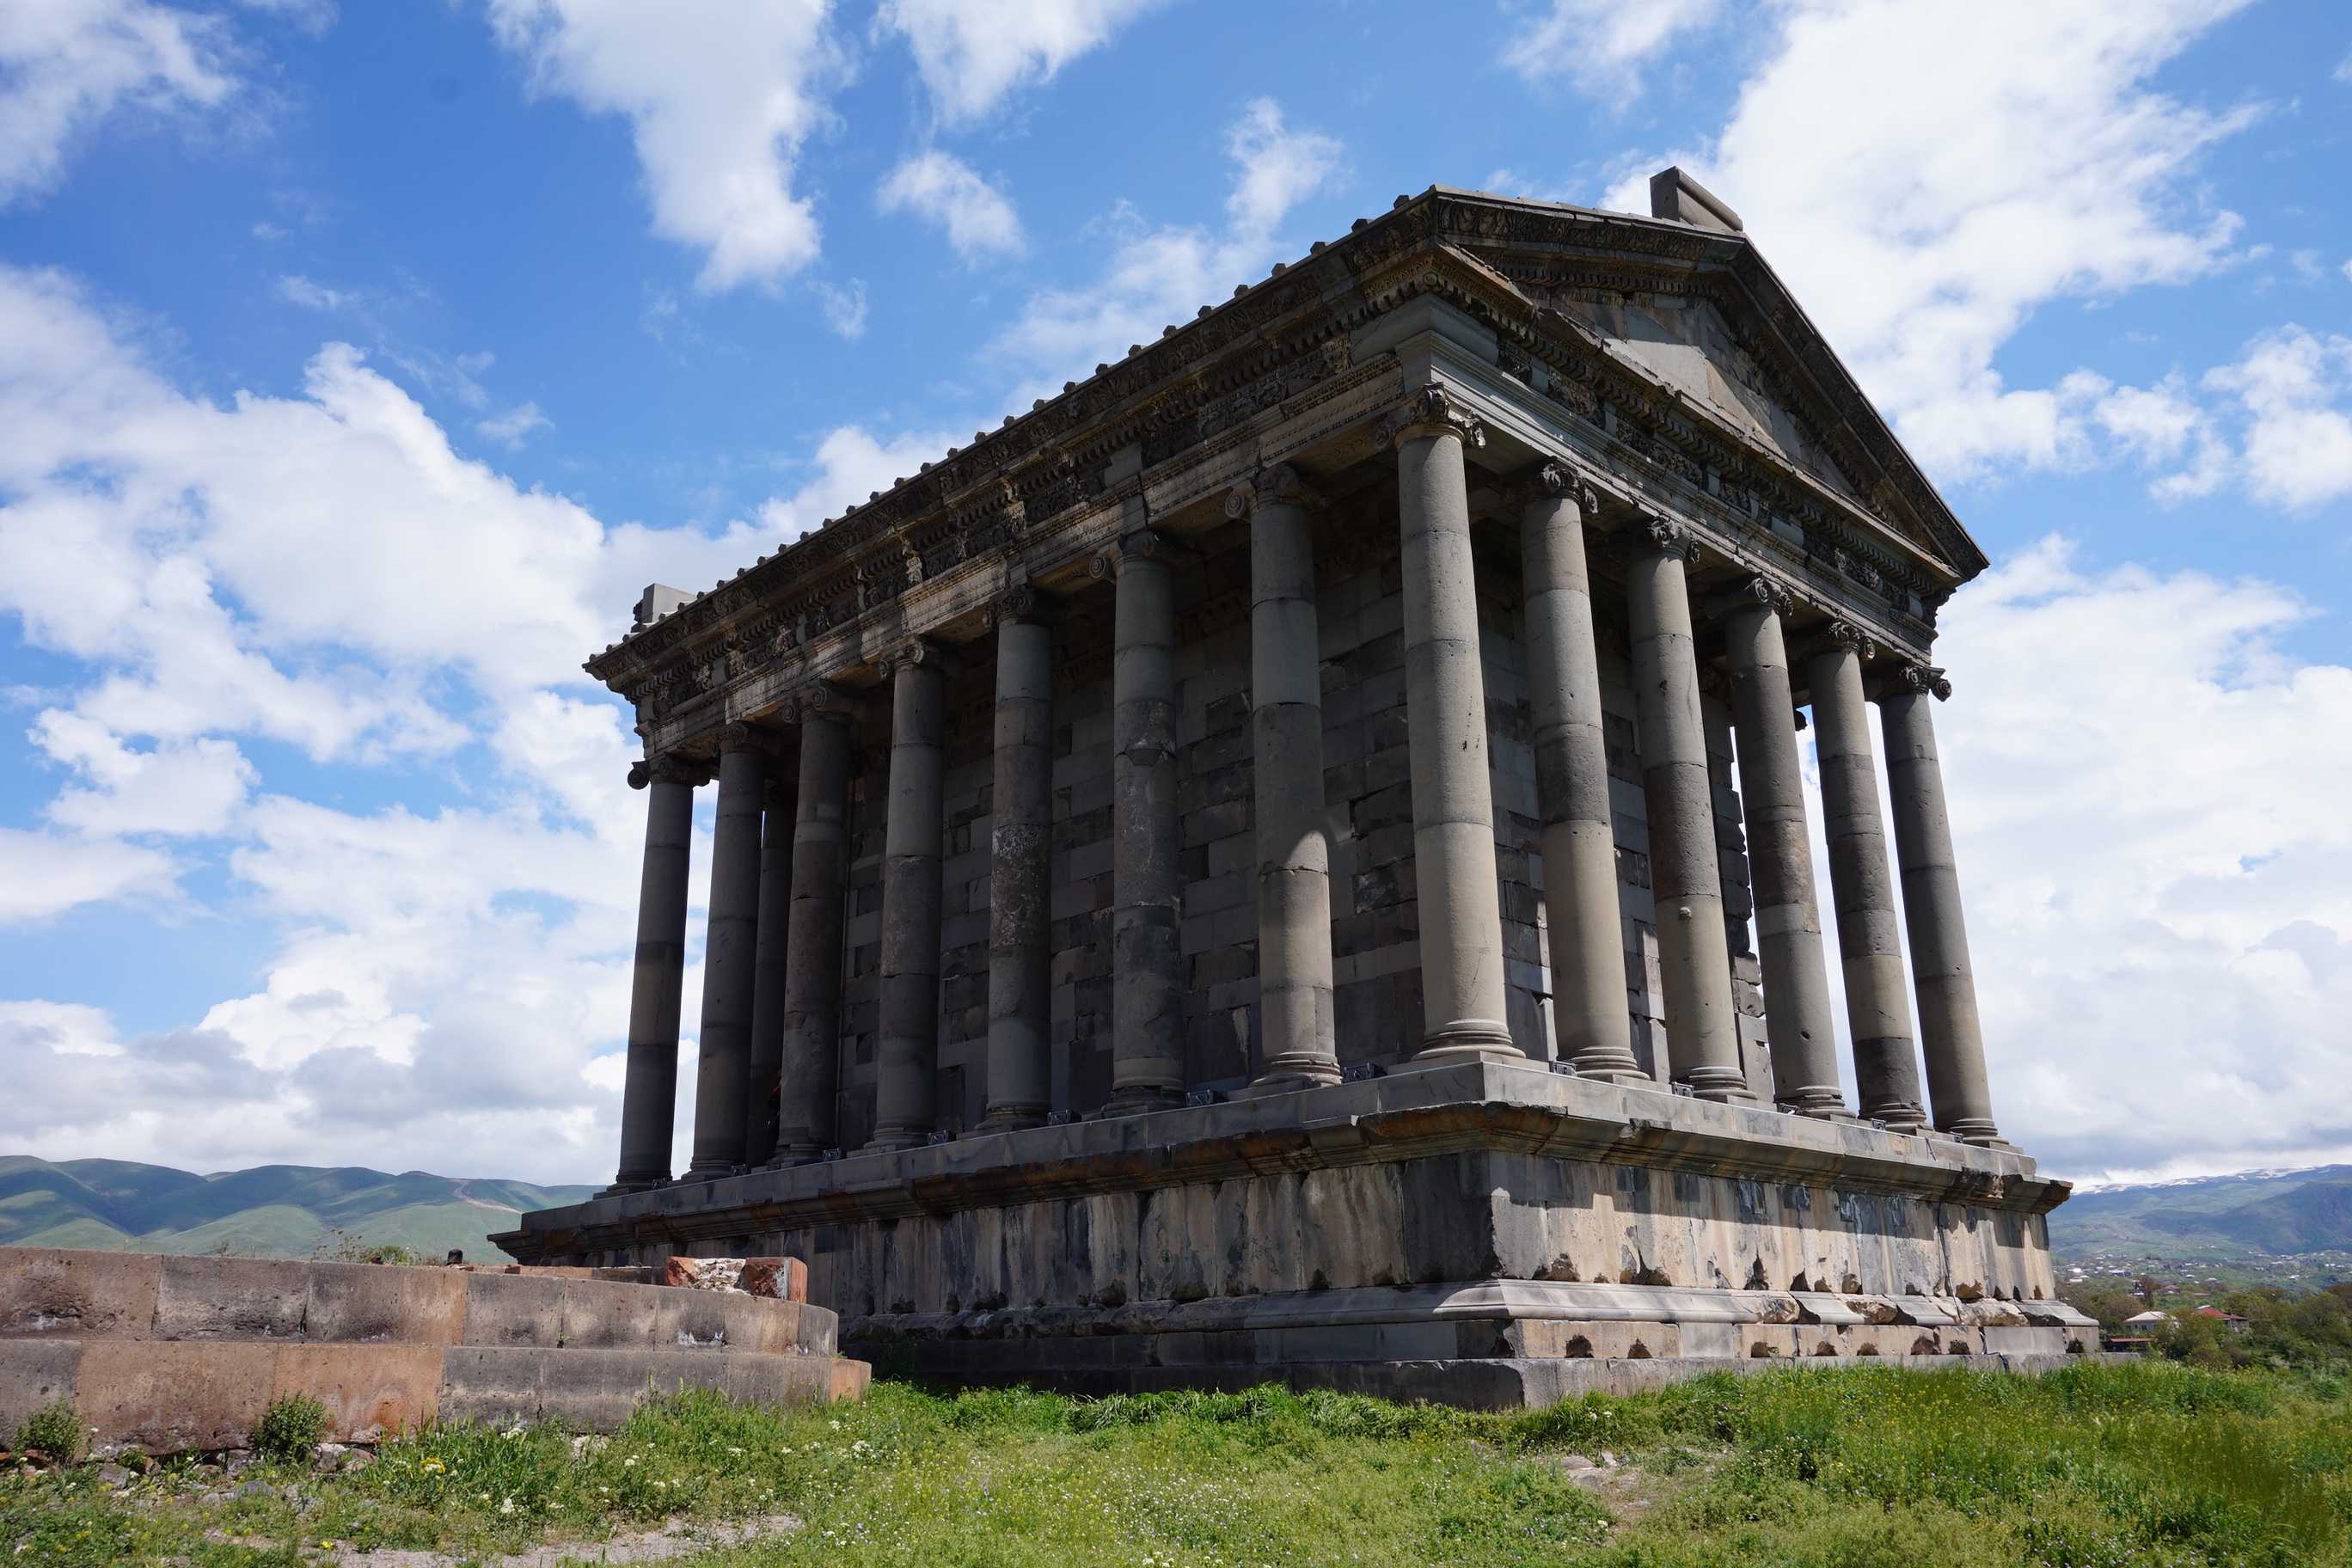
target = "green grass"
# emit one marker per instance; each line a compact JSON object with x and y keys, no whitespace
{"x":2135,"y":1464}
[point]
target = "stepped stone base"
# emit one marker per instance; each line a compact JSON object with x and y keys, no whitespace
{"x":168,"y":1355}
{"x":1476,"y":1233}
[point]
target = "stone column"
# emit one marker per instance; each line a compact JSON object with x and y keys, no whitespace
{"x":1694,"y":952}
{"x":908,"y":1055}
{"x":1950,"y":1033}
{"x":1591,"y":1016}
{"x":1147,"y":959}
{"x":650,"y":1092}
{"x":729,"y":956}
{"x":1019,"y":852}
{"x":1780,"y":853}
{"x":767,"y":976}
{"x":1445,"y":706}
{"x":811,"y":1063}
{"x":1885,"y":1064}
{"x":1294,"y":846}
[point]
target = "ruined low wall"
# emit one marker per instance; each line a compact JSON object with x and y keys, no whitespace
{"x":169,"y":1353}
{"x":1472,"y":1214}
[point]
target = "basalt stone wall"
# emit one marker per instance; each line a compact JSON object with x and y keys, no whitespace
{"x":1368,"y":797}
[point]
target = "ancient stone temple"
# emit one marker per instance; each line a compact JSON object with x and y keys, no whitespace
{"x":1291,"y":858}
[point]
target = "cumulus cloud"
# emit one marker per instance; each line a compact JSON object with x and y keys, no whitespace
{"x":1599,"y":44}
{"x":2145,"y":789}
{"x":844,"y":307}
{"x":44,"y":874}
{"x":948,"y":193}
{"x":973,"y":54}
{"x":2294,"y":388}
{"x":718,"y":98}
{"x":1980,"y":163}
{"x":280,"y":568}
{"x":1160,"y":275}
{"x":68,"y":65}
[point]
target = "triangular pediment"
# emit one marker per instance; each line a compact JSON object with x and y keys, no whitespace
{"x":1687,"y":346}
{"x":1697,"y":313}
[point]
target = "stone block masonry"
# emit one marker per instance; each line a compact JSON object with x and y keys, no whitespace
{"x":1398,"y":667}
{"x":168,"y":1355}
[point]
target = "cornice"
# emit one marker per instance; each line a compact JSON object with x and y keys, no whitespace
{"x":1282,"y":345}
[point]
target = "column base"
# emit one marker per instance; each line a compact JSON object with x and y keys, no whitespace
{"x":787,"y":1155}
{"x":888,"y":1139}
{"x":1726,"y":1086}
{"x":1899,"y":1117}
{"x":1469,"y":1039}
{"x":1610,"y":1067}
{"x":1142,"y":1101}
{"x":1979,"y":1130}
{"x":713,"y":1173}
{"x":1011,"y":1119}
{"x":1821,"y":1104}
{"x":624,"y":1184}
{"x":1300,"y":1069}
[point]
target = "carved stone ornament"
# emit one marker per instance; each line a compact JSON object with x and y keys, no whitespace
{"x":1103,"y":565}
{"x":1927,"y":678}
{"x":736,"y":737}
{"x":821,"y":701}
{"x":1279,"y":484}
{"x":1553,"y":480}
{"x":1666,"y":537}
{"x":640,"y":774}
{"x":1846,"y":635}
{"x":1771,"y":595}
{"x":912,"y":654}
{"x":1148,"y":544}
{"x":1017,"y":603}
{"x":1432,"y":411}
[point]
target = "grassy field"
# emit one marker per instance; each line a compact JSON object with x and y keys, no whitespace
{"x":2135,"y":1464}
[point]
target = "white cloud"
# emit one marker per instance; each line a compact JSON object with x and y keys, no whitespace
{"x":1158,"y":278}
{"x":288,"y":568}
{"x":297,"y":289}
{"x":719,"y":97}
{"x":44,"y":874}
{"x":1279,"y":168}
{"x":512,"y":429}
{"x":844,"y":307}
{"x":184,"y":788}
{"x":1598,"y":45}
{"x":68,"y":65}
{"x":1926,"y":177}
{"x":972,"y":54}
{"x":2146,"y":792}
{"x":851,"y":464}
{"x":944,"y":189}
{"x":2295,"y":389}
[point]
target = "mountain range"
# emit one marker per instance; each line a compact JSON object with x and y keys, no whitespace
{"x":292,"y":1211}
{"x":2250,"y":1213}
{"x":270,"y":1211}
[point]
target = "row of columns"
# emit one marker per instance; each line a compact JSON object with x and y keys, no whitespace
{"x":772,"y":959}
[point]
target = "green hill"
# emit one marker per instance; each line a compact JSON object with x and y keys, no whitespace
{"x":2253,"y":1213}
{"x":270,"y":1211}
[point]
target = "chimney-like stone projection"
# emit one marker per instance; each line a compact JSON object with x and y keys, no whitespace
{"x":1292,"y":859}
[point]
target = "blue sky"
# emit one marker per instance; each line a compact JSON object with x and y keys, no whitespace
{"x":360,"y":363}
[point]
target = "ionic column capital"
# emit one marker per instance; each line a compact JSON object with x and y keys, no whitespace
{"x":1432,"y":410}
{"x":1142,"y":544}
{"x":1927,"y":680}
{"x":1841,"y":637}
{"x":1553,"y":480}
{"x":1653,"y":533}
{"x":1759,"y":593}
{"x":915,"y":653}
{"x":1277,"y":484}
{"x":668,"y":768}
{"x":821,"y":700}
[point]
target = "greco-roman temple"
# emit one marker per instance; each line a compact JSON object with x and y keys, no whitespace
{"x":1291,"y":860}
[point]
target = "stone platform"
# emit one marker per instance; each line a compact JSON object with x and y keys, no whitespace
{"x":1465,"y":1232}
{"x":168,"y":1355}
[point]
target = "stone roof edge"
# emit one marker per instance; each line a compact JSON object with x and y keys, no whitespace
{"x":1097,"y":416}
